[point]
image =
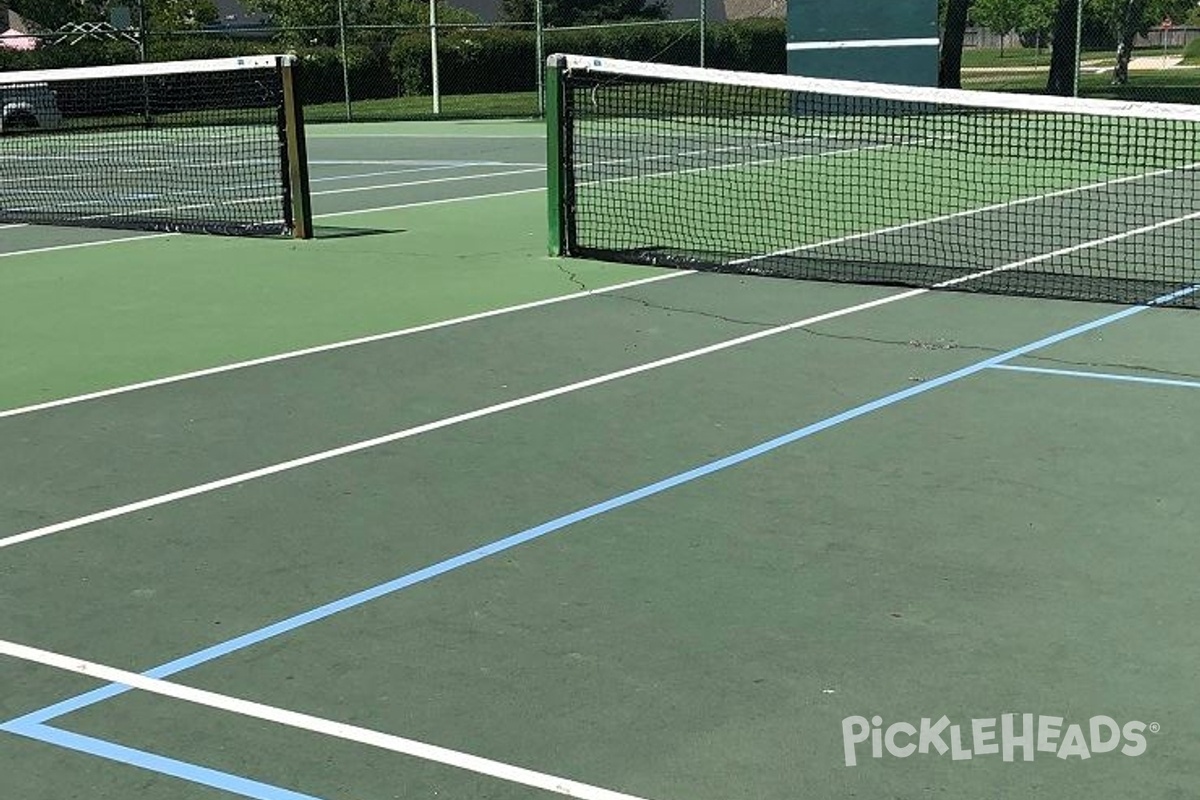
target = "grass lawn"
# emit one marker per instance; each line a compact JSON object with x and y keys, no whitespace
{"x":980,"y":57}
{"x":1166,"y":86}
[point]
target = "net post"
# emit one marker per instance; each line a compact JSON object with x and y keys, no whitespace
{"x":555,"y":151}
{"x":297,"y":154}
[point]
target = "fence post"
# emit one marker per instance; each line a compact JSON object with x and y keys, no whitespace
{"x":703,"y":29}
{"x":142,"y":47}
{"x":433,"y":57}
{"x":1078,"y":46}
{"x":345,"y":62}
{"x":539,"y":22}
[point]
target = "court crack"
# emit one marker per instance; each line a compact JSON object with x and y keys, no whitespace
{"x":920,"y":344}
{"x":583,"y":287}
{"x":694,"y":312}
{"x":572,"y":277}
{"x":1143,"y":368}
{"x":941,"y":344}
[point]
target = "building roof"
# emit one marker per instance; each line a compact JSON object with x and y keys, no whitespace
{"x":11,"y":20}
{"x":233,"y":14}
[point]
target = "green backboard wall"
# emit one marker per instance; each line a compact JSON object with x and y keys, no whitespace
{"x":891,"y":41}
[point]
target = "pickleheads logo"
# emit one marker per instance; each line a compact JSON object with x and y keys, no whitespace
{"x":1029,"y":733}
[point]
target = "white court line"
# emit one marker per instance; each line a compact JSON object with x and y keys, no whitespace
{"x":508,"y":405}
{"x":1103,"y":376}
{"x":479,"y":176}
{"x":57,"y":247}
{"x":350,"y":190}
{"x":668,"y":173}
{"x":324,"y":348}
{"x":445,"y":422}
{"x":312,"y":724}
{"x":441,"y":202}
{"x":622,"y":179}
{"x":329,"y":215}
{"x":410,"y":162}
{"x":538,"y":169}
{"x":439,"y":136}
{"x":968,"y":213}
{"x":350,"y":176}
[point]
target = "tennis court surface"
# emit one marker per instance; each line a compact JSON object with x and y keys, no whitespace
{"x":413,"y":510}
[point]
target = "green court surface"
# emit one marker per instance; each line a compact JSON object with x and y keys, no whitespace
{"x":412,"y":510}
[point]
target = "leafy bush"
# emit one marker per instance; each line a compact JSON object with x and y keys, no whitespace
{"x":1191,"y":53}
{"x":477,"y":61}
{"x":390,"y":63}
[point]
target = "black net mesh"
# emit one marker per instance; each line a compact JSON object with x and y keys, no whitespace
{"x":916,"y":189}
{"x":199,"y":151}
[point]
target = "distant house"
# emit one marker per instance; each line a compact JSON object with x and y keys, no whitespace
{"x":11,"y":20}
{"x":233,"y":14}
{"x":13,"y":29}
{"x":745,"y":9}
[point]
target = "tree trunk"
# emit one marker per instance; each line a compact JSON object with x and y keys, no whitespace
{"x":955,"y":31}
{"x":1063,"y":54}
{"x":1131,"y":12}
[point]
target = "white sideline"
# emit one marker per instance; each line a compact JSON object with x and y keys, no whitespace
{"x":971,"y":212}
{"x":311,"y":134}
{"x":57,"y":247}
{"x":427,"y":181}
{"x":323,"y":348}
{"x":446,"y":422}
{"x":319,"y":725}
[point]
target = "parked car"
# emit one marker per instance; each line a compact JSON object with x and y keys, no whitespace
{"x":28,"y":105}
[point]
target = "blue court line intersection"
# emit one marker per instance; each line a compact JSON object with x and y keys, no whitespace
{"x":34,"y":725}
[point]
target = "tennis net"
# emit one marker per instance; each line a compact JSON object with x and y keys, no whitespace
{"x":211,"y":146}
{"x":834,"y":180}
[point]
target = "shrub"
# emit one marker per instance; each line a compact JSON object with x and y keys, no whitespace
{"x":1191,"y":53}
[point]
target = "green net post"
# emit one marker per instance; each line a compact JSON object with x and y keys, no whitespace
{"x":555,"y":164}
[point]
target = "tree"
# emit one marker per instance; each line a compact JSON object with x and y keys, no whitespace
{"x":1001,"y":17}
{"x":1037,"y":20}
{"x":161,"y":14}
{"x":298,"y":13}
{"x":1064,"y":56}
{"x":1128,"y":19}
{"x":316,"y":21}
{"x":54,"y":14}
{"x":565,"y":13}
{"x":180,"y":14}
{"x":954,"y":31}
{"x":402,"y":12}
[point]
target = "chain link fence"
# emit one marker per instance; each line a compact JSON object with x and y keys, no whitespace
{"x":1161,"y":63}
{"x":431,"y":70}
{"x":476,"y":70}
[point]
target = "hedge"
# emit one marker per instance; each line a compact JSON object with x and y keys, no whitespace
{"x":471,"y":61}
{"x":1191,"y":53}
{"x":504,"y":60}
